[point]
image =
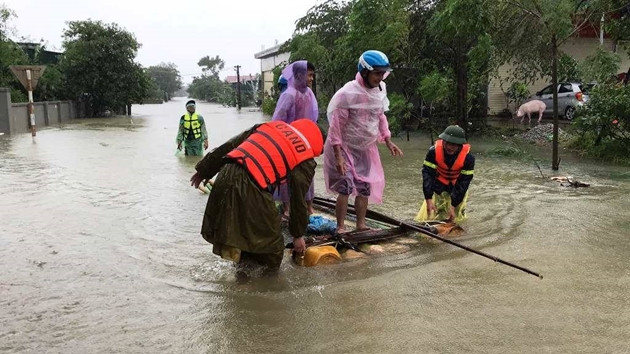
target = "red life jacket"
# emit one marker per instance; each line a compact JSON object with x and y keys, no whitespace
{"x":445,"y":174}
{"x":274,"y":149}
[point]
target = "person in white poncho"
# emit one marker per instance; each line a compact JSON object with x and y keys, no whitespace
{"x":356,"y":115}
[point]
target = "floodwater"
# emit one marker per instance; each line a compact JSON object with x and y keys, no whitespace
{"x":100,"y":252}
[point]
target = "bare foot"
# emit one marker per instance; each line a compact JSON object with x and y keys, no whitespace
{"x":341,"y":230}
{"x":365,"y":228}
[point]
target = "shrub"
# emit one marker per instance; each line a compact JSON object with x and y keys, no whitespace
{"x":268,"y":105}
{"x":399,"y":113}
{"x":603,"y":124}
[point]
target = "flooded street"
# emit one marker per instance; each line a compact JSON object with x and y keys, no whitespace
{"x":100,"y":252}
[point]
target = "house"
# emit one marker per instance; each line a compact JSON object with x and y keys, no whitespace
{"x":231,"y":79}
{"x":38,"y":54}
{"x":269,"y":60}
{"x":578,"y":47}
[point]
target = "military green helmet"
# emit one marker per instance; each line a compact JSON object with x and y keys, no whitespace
{"x":454,"y":134}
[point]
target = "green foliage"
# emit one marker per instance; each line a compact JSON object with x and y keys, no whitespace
{"x":211,"y":66}
{"x":99,"y":66}
{"x":166,"y":78}
{"x":517,"y":93}
{"x":508,"y":151}
{"x":155,"y":94}
{"x":209,"y":87}
{"x":418,"y":37}
{"x":378,"y":24}
{"x":269,"y":100}
{"x":320,"y":39}
{"x":10,"y":54}
{"x":531,"y":32}
{"x":269,"y":105}
{"x":523,"y":31}
{"x":605,"y":121}
{"x":332,"y":36}
{"x":51,"y":84}
{"x":399,"y":113}
{"x":18,"y":95}
{"x":461,"y":28}
{"x":275,"y":92}
{"x":6,"y":14}
{"x":436,"y":87}
{"x":568,"y":69}
{"x":600,"y":67}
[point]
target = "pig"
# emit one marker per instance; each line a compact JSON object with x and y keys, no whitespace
{"x":530,"y":107}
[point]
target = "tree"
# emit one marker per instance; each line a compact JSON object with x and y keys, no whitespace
{"x":208,"y":86}
{"x":10,"y":54}
{"x":435,"y":89}
{"x":99,"y":66}
{"x":211,"y":66}
{"x":333,"y":35}
{"x":166,"y":77}
{"x":50,"y":85}
{"x":534,"y":30}
{"x":461,"y":27}
{"x":318,"y":39}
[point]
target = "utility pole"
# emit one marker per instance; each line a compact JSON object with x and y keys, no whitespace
{"x":238,"y":87}
{"x":28,"y":75}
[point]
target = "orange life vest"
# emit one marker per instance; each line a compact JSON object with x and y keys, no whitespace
{"x":445,"y":174}
{"x":274,"y":149}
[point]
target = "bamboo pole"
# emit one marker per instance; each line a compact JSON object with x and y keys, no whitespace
{"x":424,"y":231}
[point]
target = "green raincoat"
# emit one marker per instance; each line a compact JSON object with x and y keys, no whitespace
{"x":192,"y":146}
{"x":240,"y":216}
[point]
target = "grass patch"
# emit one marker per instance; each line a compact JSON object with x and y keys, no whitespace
{"x":508,"y":151}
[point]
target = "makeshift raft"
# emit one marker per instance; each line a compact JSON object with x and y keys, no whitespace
{"x":384,"y":237}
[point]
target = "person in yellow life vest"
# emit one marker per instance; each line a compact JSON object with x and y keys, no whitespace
{"x":192,"y":134}
{"x":241,"y":220}
{"x":446,"y":174}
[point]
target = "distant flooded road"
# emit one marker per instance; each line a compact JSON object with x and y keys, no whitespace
{"x":100,"y":252}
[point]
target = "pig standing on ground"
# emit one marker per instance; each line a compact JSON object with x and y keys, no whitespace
{"x":529,"y":108}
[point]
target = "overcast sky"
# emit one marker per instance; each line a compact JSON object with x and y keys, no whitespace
{"x":180,"y":31}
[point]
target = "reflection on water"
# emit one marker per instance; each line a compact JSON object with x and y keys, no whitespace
{"x":100,"y":251}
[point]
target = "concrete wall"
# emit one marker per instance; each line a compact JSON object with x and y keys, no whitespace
{"x":14,"y":116}
{"x":5,"y":110}
{"x":577,"y":48}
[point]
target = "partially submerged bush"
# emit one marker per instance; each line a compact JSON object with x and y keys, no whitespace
{"x":268,"y":105}
{"x":603,"y":124}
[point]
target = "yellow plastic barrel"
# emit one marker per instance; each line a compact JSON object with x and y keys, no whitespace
{"x":315,"y":255}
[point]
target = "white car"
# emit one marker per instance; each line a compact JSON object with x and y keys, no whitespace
{"x":571,"y":95}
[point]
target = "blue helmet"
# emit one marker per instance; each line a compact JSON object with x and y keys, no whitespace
{"x":372,"y":60}
{"x":282,"y":80}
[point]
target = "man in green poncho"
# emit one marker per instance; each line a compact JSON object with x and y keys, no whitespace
{"x":241,"y":219}
{"x":446,"y":175}
{"x":192,"y":134}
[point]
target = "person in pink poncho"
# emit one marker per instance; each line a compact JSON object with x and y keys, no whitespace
{"x":296,"y":102}
{"x":357,"y":122}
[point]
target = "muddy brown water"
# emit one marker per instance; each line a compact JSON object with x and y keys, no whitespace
{"x":100,"y":252}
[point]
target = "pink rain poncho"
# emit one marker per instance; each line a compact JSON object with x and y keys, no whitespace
{"x":356,"y":115}
{"x":296,"y":102}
